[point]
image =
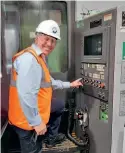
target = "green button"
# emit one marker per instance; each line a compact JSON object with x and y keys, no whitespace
{"x":123,"y":51}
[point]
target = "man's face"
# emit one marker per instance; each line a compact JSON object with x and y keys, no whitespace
{"x":46,"y":43}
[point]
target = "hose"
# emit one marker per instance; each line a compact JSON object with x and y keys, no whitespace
{"x":70,"y":119}
{"x":81,"y":144}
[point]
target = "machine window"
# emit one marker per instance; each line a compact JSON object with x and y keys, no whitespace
{"x":93,"y":45}
{"x":31,"y":15}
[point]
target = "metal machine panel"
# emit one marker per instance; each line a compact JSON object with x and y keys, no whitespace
{"x":124,"y":141}
{"x":106,"y":104}
{"x":118,"y":119}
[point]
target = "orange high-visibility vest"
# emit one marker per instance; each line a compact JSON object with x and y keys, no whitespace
{"x":16,"y":115}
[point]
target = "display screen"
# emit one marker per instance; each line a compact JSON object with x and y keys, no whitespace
{"x":93,"y":45}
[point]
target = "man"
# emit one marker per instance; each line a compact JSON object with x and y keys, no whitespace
{"x":31,"y":91}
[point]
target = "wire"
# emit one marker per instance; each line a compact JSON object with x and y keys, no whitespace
{"x":72,"y":110}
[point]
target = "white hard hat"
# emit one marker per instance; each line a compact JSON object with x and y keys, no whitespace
{"x":50,"y":28}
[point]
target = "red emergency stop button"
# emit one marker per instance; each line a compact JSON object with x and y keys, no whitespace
{"x":102,"y":85}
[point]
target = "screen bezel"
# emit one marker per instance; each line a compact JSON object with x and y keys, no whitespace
{"x":97,"y":58}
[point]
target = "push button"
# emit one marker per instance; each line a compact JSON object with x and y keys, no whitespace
{"x":102,"y":85}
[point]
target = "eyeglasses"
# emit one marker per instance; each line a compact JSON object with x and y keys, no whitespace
{"x":48,"y":38}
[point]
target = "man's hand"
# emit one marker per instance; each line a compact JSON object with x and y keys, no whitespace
{"x":76,"y":83}
{"x":40,"y":129}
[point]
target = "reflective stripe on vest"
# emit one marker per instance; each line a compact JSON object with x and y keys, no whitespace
{"x":42,"y":85}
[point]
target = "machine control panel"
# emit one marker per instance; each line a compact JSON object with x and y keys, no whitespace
{"x":94,"y":80}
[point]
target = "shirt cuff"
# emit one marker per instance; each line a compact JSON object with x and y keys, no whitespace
{"x":66,"y":85}
{"x":35,"y":121}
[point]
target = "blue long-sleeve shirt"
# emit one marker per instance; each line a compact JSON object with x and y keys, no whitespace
{"x":28,"y":84}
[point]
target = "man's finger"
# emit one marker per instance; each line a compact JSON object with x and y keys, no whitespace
{"x":43,"y":132}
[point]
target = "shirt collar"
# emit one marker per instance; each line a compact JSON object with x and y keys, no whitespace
{"x":37,"y":49}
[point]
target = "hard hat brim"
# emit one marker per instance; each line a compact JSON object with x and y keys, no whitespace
{"x":48,"y":34}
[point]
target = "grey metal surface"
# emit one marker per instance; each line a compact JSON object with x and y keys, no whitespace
{"x":124,"y":141}
{"x":11,"y":36}
{"x":118,"y":121}
{"x":106,"y":136}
